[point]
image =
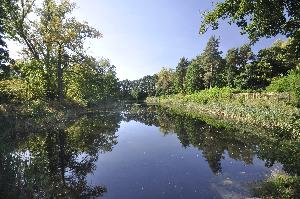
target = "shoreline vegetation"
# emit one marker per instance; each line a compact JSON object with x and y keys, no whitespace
{"x":260,"y":112}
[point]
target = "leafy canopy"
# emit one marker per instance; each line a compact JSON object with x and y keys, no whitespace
{"x":257,"y":18}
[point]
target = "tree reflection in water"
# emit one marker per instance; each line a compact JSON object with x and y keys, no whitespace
{"x":55,"y":164}
{"x":239,"y":143}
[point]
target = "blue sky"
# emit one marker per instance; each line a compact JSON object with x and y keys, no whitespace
{"x":142,"y":36}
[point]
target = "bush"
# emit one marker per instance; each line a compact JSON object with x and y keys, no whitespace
{"x":18,"y":90}
{"x":290,"y":83}
{"x":15,"y":90}
{"x":211,"y":95}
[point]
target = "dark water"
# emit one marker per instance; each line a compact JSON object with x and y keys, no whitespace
{"x":137,"y":152}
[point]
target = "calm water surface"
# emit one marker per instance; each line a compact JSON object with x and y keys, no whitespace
{"x":136,"y":152}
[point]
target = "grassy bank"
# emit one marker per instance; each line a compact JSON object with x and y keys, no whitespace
{"x":277,"y":117}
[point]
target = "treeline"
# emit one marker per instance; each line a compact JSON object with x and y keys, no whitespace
{"x":276,"y":67}
{"x":240,"y":69}
{"x":138,"y":89}
{"x":54,"y":65}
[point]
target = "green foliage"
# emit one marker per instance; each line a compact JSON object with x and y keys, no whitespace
{"x":32,"y":73}
{"x":290,"y":83}
{"x":224,"y":103}
{"x":15,"y":90}
{"x":180,"y":74}
{"x":211,"y":95}
{"x":165,"y":82}
{"x":279,"y":185}
{"x":213,"y":64}
{"x":4,"y":55}
{"x":138,"y":89}
{"x":51,"y":36}
{"x":255,"y":17}
{"x":254,"y":76}
{"x":91,"y":82}
{"x":232,"y":63}
{"x":136,"y":93}
{"x":280,"y":57}
{"x":26,"y":84}
{"x":236,"y":62}
{"x":194,"y":77}
{"x":125,"y":89}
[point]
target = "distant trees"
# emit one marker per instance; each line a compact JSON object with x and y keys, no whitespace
{"x":236,"y":60}
{"x":240,"y":68}
{"x":92,"y":81}
{"x":138,"y":89}
{"x":232,"y":66}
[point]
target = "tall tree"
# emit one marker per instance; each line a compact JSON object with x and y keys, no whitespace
{"x":165,"y":82}
{"x":4,"y":56}
{"x":232,"y":62}
{"x":194,"y":76}
{"x":213,"y":63}
{"x":236,"y":61}
{"x":51,"y":36}
{"x":180,"y":74}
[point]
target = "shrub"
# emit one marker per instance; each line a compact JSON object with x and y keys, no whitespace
{"x":15,"y":90}
{"x":211,"y":95}
{"x":290,"y":83}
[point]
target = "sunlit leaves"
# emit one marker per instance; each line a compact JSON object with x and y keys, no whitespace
{"x":258,"y":18}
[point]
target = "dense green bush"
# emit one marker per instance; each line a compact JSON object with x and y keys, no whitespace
{"x":290,"y":83}
{"x":16,"y":90}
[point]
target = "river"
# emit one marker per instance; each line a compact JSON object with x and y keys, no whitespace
{"x":134,"y":152}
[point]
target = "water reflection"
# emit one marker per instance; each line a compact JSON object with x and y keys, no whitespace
{"x":55,"y":163}
{"x":240,"y":144}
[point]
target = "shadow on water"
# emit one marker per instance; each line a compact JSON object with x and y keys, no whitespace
{"x":55,"y":164}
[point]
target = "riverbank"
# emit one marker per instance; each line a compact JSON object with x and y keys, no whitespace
{"x":277,"y":116}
